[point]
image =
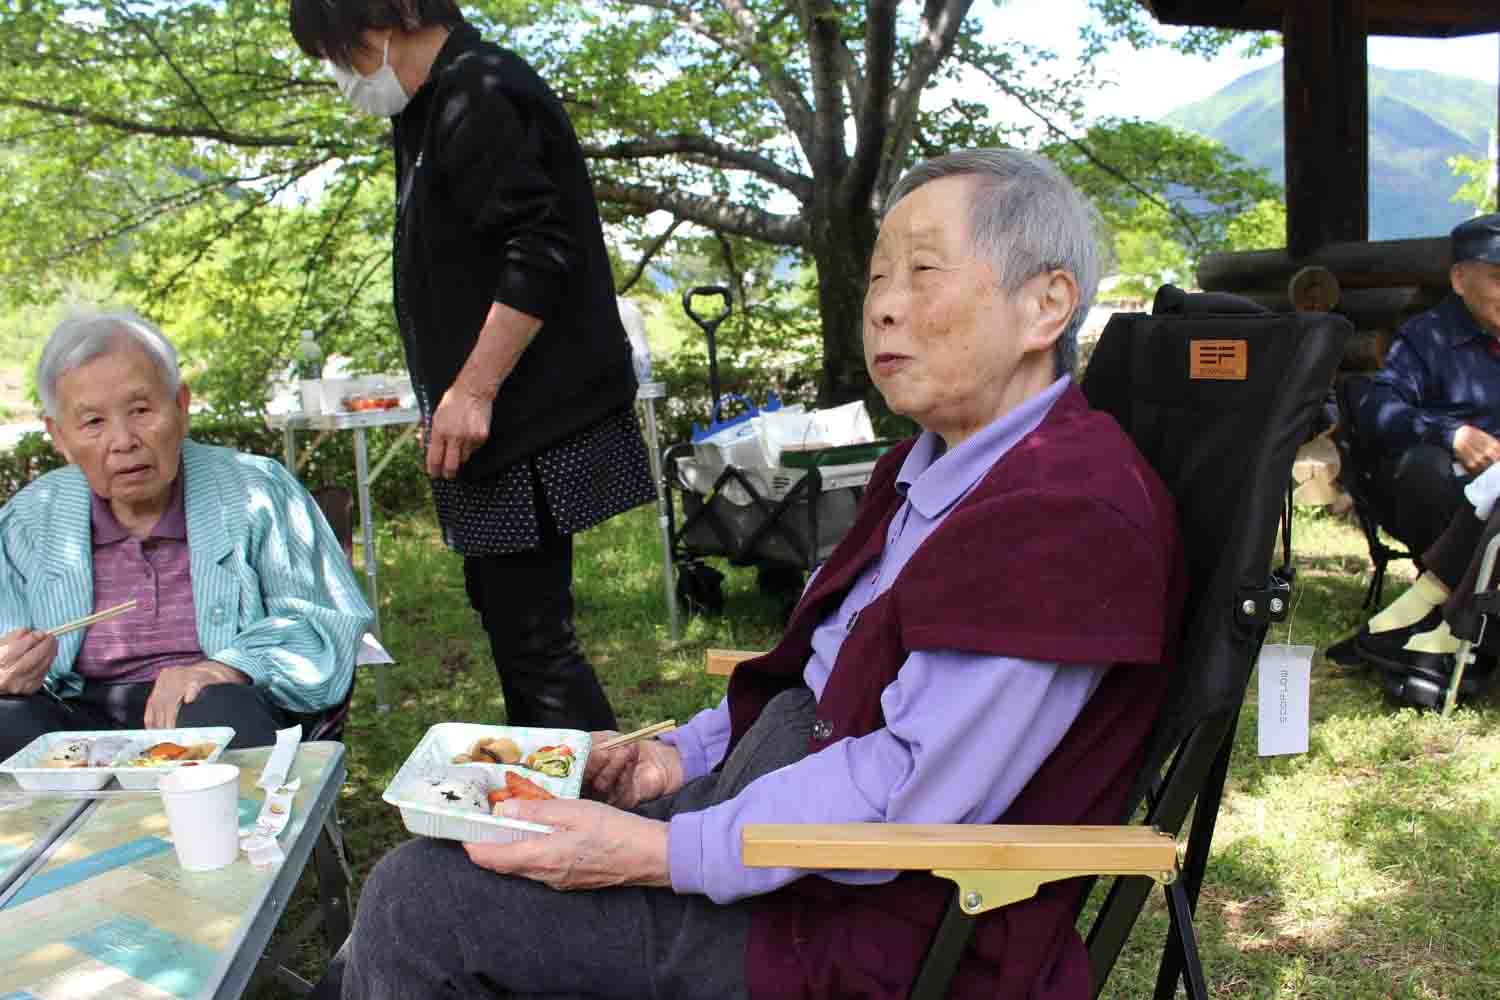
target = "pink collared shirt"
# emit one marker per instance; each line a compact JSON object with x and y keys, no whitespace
{"x":161,"y":630}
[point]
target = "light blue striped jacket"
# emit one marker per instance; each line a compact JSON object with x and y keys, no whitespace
{"x":273,"y":594}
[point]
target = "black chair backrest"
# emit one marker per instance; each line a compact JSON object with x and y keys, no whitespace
{"x":1217,"y":394}
{"x":1224,"y":446}
{"x":337,"y":505}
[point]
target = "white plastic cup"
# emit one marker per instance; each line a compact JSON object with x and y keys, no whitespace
{"x":203,"y":813}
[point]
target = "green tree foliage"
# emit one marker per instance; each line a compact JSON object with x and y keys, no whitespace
{"x":1168,"y":197}
{"x":186,"y":146}
{"x":1478,"y":176}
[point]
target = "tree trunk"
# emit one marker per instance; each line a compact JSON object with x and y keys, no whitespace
{"x":841,"y":244}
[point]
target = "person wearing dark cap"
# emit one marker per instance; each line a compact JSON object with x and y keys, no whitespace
{"x":1433,"y":411}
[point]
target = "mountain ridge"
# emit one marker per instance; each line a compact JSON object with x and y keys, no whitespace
{"x":1418,"y":119}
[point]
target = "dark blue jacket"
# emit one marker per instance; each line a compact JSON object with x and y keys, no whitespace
{"x":1438,"y":375}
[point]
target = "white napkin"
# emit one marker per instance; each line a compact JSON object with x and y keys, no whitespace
{"x":274,"y":774}
{"x":370,"y":652}
{"x":1483,"y":491}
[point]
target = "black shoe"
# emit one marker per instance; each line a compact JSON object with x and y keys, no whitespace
{"x":1391,"y":644}
{"x":1346,"y":653}
{"x":1438,"y":668}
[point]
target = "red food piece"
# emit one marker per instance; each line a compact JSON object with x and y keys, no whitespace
{"x":517,"y":787}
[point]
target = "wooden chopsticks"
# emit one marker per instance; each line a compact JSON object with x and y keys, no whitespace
{"x":645,"y":732}
{"x":99,"y":616}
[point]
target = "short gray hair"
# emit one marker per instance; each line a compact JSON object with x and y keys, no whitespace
{"x":85,"y":336}
{"x":1027,"y":218}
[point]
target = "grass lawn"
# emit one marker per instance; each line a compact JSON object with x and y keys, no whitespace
{"x":1368,"y":867}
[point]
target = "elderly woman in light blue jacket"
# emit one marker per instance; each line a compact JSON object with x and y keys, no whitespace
{"x":247,"y":613}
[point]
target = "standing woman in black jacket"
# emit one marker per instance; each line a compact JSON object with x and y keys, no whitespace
{"x":507,"y":313}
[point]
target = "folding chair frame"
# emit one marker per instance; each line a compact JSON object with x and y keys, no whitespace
{"x":1486,"y":605}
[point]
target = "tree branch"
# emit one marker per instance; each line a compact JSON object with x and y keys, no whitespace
{"x":783,"y":89}
{"x":712,"y":213}
{"x":941,"y":21}
{"x":166,"y":57}
{"x":313,"y":272}
{"x":1177,"y":213}
{"x":726,"y":253}
{"x":821,"y":20}
{"x":241,"y":139}
{"x":651,"y":251}
{"x":870,"y":128}
{"x":701,"y":149}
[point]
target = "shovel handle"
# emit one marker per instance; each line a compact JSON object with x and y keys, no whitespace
{"x":708,"y":323}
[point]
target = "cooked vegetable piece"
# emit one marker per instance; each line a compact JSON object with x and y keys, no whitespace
{"x":554,"y":760}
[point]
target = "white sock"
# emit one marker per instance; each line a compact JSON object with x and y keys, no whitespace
{"x":1439,"y":640}
{"x":1411,"y":607}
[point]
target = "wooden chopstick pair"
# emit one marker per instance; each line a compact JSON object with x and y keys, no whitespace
{"x":645,"y":732}
{"x":99,"y":616}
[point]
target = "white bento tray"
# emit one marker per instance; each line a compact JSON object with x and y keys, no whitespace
{"x":433,"y":757}
{"x":23,"y":765}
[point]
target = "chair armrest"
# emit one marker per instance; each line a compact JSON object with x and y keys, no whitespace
{"x":721,"y":662}
{"x":993,"y":865}
{"x":1105,"y":850}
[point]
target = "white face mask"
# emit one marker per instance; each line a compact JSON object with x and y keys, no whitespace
{"x":380,"y":93}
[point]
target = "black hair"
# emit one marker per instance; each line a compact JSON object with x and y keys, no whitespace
{"x":334,"y":29}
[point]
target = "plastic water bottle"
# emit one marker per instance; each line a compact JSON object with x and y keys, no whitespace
{"x":635,"y":332}
{"x":309,"y":357}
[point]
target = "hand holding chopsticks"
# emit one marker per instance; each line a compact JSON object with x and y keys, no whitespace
{"x":645,"y":732}
{"x":85,"y":622}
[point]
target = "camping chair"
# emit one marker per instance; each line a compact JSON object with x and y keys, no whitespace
{"x":1356,"y":467}
{"x":1218,"y":395}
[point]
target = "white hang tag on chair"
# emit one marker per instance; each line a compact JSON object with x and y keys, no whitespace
{"x":1285,"y":680}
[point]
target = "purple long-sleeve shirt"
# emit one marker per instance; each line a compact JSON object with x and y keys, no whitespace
{"x":998,"y":715}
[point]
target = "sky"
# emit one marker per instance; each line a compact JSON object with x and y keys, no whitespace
{"x":1151,"y":84}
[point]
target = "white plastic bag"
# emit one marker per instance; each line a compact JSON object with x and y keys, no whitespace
{"x":784,"y":430}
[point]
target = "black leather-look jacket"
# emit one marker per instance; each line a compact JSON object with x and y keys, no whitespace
{"x":494,"y":204}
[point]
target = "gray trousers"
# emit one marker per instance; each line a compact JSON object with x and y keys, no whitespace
{"x":433,"y":924}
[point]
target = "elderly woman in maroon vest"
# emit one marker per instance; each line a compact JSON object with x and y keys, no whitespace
{"x":988,"y":644}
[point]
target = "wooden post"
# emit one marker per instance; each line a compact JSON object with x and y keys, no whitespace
{"x":1325,"y":74}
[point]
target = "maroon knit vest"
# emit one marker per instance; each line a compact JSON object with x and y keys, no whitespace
{"x":1067,"y":551}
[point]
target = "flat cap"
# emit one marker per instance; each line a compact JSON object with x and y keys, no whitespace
{"x":1477,"y":239}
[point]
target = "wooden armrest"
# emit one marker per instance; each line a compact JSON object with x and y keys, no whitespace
{"x":993,"y":865}
{"x":721,"y":662}
{"x":1104,"y":850}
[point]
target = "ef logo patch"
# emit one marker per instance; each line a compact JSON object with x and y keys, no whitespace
{"x":1220,"y":359}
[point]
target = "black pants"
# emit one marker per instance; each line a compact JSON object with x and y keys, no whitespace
{"x":253,"y":716}
{"x":525,"y":600}
{"x":1416,"y":494}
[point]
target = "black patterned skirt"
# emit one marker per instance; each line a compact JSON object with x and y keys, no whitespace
{"x":569,"y":487}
